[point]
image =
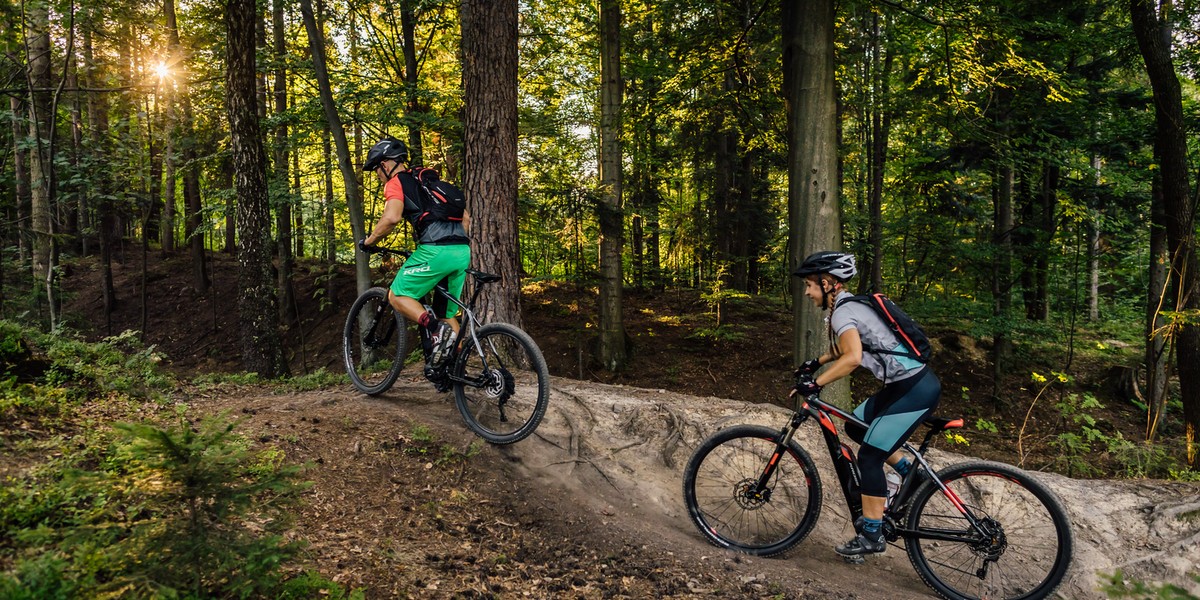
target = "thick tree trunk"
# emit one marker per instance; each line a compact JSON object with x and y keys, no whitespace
{"x":489,"y":50}
{"x":1172,"y":153}
{"x":613,"y":352}
{"x":262,"y":351}
{"x":316,"y":42}
{"x":814,"y":221}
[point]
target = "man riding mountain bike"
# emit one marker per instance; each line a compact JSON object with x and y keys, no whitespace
{"x":443,"y":250}
{"x":910,"y":393}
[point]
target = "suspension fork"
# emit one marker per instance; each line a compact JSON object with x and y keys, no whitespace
{"x":782,"y":439}
{"x":372,"y":339}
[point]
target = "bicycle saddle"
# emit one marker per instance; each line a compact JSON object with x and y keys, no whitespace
{"x":482,"y":277}
{"x":941,"y":423}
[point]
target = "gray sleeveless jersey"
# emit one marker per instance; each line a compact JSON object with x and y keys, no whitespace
{"x":875,"y":334}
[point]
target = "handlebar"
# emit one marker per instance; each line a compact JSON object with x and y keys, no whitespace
{"x":386,"y":251}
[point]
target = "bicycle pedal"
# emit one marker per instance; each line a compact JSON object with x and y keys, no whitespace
{"x":855,"y":560}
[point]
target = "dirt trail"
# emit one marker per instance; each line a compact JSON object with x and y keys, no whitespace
{"x":607,"y":461}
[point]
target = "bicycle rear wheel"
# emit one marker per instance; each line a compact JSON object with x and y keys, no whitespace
{"x":374,"y":342}
{"x":501,"y":385}
{"x":719,"y":488}
{"x":1023,"y":552}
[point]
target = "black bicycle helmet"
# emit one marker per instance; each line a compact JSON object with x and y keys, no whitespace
{"x":388,"y":148}
{"x":838,"y":264}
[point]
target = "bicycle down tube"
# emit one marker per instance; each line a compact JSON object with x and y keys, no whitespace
{"x":847,"y":470}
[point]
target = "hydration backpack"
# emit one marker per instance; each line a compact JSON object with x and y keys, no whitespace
{"x":434,"y":199}
{"x":912,"y":337}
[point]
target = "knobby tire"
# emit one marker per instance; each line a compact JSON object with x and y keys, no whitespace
{"x":515,"y":389}
{"x":1031,"y":540}
{"x":373,"y":370}
{"x":717,"y":485}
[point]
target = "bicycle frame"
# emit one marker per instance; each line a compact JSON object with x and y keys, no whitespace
{"x":469,"y":322}
{"x":846,"y":467}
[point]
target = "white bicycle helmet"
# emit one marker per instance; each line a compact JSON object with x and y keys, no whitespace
{"x":838,"y":264}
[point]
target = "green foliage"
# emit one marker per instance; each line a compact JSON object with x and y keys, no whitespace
{"x":1075,"y":445}
{"x":189,"y":510}
{"x":314,"y":585}
{"x":720,"y":333}
{"x":986,"y":425}
{"x":319,"y":379}
{"x":1117,"y":586}
{"x":115,"y":364}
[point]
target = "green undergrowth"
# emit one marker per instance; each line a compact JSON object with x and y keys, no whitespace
{"x":111,"y":489}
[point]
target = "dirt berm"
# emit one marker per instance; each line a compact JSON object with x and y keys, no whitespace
{"x":614,"y":456}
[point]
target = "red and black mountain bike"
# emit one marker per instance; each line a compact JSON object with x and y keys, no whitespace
{"x":973,"y":530}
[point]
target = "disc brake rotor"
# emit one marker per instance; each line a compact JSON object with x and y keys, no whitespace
{"x":500,"y":385}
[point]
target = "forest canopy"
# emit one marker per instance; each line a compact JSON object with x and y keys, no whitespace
{"x":1020,"y":164}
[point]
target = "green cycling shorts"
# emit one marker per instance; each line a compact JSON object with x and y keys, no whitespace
{"x":429,"y":265}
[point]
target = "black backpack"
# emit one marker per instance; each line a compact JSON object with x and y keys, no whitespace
{"x":910,"y":334}
{"x":436,"y":200}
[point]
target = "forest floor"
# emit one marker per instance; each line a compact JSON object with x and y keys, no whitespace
{"x":407,"y":502}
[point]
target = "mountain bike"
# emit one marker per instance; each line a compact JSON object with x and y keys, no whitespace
{"x":973,"y":530}
{"x":500,"y":380}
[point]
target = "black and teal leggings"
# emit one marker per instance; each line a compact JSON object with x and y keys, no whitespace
{"x":892,"y":414}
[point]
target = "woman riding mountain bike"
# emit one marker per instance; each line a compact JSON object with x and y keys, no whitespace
{"x":910,"y":393}
{"x":443,"y":249}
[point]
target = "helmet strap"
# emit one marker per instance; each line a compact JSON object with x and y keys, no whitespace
{"x":391,"y":173}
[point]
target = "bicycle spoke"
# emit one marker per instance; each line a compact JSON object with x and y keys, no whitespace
{"x":501,"y":384}
{"x":721,"y":489}
{"x":373,"y":342}
{"x":1021,"y":548}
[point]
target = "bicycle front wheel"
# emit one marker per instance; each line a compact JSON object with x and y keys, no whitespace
{"x":720,"y":488}
{"x":373,"y":342}
{"x":501,"y":384}
{"x":1020,"y":550}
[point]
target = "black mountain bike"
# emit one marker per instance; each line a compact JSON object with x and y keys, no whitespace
{"x":973,"y":530}
{"x":499,"y":376}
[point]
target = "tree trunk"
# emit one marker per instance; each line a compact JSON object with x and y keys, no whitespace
{"x":287,"y":304}
{"x":814,"y":220}
{"x":1093,"y":249}
{"x":191,"y":173}
{"x":416,"y":151}
{"x":881,"y":122}
{"x":227,"y":183}
{"x":41,"y":120}
{"x":1002,"y":277}
{"x":330,"y":233}
{"x":262,"y":351}
{"x":613,"y":353}
{"x":316,"y":42}
{"x":21,"y":167}
{"x":1153,"y":36}
{"x":298,"y":193}
{"x":170,"y":205}
{"x":1157,"y":357}
{"x":489,"y":72}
